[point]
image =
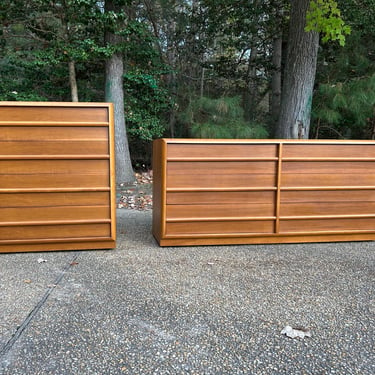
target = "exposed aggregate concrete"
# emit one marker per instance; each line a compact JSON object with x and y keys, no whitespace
{"x":142,"y":309}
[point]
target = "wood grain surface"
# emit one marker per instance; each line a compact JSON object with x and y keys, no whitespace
{"x":263,"y":191}
{"x":57,"y":182}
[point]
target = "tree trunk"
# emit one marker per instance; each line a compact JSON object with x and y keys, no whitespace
{"x":73,"y":81}
{"x":114,"y":93}
{"x":171,"y":77}
{"x":294,"y":120}
{"x":250,"y":97}
{"x":275,"y":99}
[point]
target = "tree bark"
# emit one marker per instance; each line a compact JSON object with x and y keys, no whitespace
{"x":250,"y":96}
{"x":73,"y":81}
{"x":275,"y":100}
{"x":114,"y":93}
{"x":295,"y":111}
{"x":171,"y":77}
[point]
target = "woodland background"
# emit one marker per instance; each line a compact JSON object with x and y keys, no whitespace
{"x":190,"y":68}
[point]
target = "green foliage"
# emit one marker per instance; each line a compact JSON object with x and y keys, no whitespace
{"x":35,"y":80}
{"x":220,"y":118}
{"x":39,"y":37}
{"x":145,"y":103}
{"x":343,"y":103}
{"x":146,"y":98}
{"x":346,"y":107}
{"x":324,"y":16}
{"x":16,"y":80}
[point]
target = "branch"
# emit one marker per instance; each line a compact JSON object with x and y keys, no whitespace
{"x":333,"y":129}
{"x":27,"y":36}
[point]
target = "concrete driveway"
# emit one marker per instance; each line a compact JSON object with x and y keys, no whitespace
{"x":141,"y":309}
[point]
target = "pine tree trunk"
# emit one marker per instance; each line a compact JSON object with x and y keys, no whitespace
{"x":275,"y":99}
{"x":114,"y":93}
{"x":171,"y":77}
{"x":250,"y":97}
{"x":73,"y":81}
{"x":295,"y":112}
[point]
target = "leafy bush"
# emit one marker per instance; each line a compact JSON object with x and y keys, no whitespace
{"x":145,"y":103}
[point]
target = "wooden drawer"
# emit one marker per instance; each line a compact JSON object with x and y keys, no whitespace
{"x":218,"y":228}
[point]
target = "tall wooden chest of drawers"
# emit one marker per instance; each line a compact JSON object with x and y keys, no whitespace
{"x":57,"y":176}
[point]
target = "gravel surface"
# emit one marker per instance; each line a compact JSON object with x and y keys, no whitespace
{"x":142,"y":309}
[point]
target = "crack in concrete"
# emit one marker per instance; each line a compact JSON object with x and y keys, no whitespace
{"x":21,"y":328}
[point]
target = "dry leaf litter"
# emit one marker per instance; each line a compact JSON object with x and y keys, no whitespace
{"x":136,"y":196}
